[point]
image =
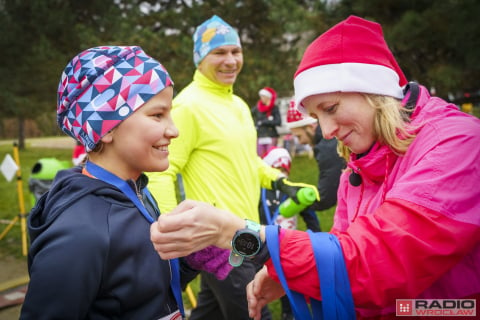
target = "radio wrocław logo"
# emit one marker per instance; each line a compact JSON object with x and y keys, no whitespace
{"x":436,"y":307}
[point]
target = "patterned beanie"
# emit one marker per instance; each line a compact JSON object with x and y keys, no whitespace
{"x":352,"y":56}
{"x":296,"y":119}
{"x":102,"y":86}
{"x":212,"y":34}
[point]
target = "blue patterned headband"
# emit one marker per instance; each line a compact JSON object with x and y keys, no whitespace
{"x":102,"y":86}
{"x":212,"y":34}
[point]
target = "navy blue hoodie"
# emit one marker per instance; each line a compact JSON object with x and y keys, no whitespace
{"x":91,"y":255}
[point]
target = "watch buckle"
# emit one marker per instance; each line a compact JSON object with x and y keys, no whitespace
{"x":235,"y":260}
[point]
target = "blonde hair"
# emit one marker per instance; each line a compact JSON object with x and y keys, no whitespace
{"x":391,"y":125}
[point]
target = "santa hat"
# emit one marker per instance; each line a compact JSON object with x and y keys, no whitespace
{"x":295,"y":119}
{"x":267,"y":92}
{"x":352,"y":56}
{"x":278,"y":158}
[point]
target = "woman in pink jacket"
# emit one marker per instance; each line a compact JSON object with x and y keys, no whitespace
{"x":407,"y":224}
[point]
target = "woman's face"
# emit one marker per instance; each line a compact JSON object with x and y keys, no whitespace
{"x":346,"y":116}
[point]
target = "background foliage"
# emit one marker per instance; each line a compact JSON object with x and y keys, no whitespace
{"x":436,"y":42}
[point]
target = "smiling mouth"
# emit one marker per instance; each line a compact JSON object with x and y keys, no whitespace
{"x":161,"y":148}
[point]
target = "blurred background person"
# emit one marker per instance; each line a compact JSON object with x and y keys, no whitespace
{"x":266,"y":116}
{"x":330,"y":163}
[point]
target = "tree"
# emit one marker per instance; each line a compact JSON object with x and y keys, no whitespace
{"x":435,"y":42}
{"x":40,"y":37}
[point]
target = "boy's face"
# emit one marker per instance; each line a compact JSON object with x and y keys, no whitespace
{"x":222,"y":64}
{"x":304,"y":134}
{"x":140,"y":142}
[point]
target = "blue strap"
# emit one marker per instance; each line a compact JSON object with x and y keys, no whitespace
{"x":334,"y":284}
{"x":175,"y":284}
{"x":102,"y":174}
{"x":297,"y":300}
{"x":266,"y":209}
{"x":337,"y":300}
{"x":268,"y":214}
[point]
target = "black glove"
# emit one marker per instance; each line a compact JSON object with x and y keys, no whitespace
{"x":287,"y":187}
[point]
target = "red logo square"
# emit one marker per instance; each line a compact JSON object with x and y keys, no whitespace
{"x":404,"y":307}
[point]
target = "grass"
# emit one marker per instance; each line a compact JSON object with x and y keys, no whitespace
{"x":304,"y":169}
{"x":10,"y":207}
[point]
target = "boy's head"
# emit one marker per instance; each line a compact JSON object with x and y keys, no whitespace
{"x":102,"y":86}
{"x":278,"y":158}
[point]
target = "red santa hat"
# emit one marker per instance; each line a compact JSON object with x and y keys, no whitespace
{"x":352,"y":56}
{"x":295,"y":119}
{"x":267,"y":92}
{"x":277,"y":157}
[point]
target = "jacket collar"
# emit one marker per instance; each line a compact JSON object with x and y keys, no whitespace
{"x":373,"y":166}
{"x":201,"y":80}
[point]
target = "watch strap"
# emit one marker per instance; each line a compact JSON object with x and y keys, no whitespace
{"x":235,"y":259}
{"x":252,"y":225}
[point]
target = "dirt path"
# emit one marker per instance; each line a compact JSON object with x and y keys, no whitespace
{"x":11,"y":269}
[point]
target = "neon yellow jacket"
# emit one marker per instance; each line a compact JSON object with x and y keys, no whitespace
{"x":215,"y":152}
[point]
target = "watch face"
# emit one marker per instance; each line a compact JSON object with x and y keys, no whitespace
{"x":246,"y":244}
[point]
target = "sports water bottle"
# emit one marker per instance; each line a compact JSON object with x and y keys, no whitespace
{"x":289,"y":208}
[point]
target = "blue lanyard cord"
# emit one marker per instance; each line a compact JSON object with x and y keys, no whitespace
{"x":268,"y":215}
{"x":297,"y":300}
{"x":104,"y":175}
{"x":337,"y":300}
{"x":334,"y":284}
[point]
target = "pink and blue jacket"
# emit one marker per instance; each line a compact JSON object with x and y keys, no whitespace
{"x":411,"y":229}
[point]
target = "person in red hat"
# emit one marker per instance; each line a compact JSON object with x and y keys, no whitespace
{"x":330,"y":163}
{"x":406,"y":227}
{"x":266,"y":115}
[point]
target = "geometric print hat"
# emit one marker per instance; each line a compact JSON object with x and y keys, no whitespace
{"x":102,"y":86}
{"x":211,"y":34}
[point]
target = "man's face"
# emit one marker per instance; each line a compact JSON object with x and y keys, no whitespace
{"x":222,"y":64}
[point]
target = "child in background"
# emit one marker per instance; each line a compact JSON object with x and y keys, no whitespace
{"x":91,"y":255}
{"x":78,"y":154}
{"x":266,"y":115}
{"x":270,"y":200}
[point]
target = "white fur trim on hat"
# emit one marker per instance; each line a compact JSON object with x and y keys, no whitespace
{"x":346,"y":77}
{"x":265,"y":92}
{"x":300,"y":123}
{"x":278,"y":158}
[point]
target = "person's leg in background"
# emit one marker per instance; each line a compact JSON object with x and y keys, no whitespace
{"x":311,"y":220}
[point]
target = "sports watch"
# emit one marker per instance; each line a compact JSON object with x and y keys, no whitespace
{"x":245,"y":243}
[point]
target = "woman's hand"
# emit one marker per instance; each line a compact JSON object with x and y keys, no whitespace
{"x":261,"y":291}
{"x":192,"y":226}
